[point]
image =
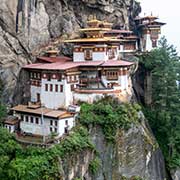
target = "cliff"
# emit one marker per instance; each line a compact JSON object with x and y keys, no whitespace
{"x":135,"y":154}
{"x":26,"y":27}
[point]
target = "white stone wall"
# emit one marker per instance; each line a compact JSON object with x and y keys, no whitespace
{"x":105,"y":81}
{"x":100,"y":56}
{"x":62,"y":125}
{"x":44,"y":129}
{"x":123,"y":79}
{"x":78,"y":56}
{"x":68,"y":94}
{"x":34,"y":90}
{"x":52,"y":99}
{"x":85,"y":97}
{"x":10,"y":128}
{"x":148,"y":44}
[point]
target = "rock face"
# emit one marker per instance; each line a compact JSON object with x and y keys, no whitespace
{"x":134,"y":154}
{"x":176,"y":174}
{"x":27,"y":25}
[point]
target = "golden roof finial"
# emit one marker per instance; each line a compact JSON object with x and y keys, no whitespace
{"x":90,"y":17}
{"x":94,"y":17}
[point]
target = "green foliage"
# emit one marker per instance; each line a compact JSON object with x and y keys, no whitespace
{"x":94,"y":165}
{"x":110,"y":115}
{"x":132,"y":178}
{"x":136,"y":178}
{"x":3,"y":110}
{"x":3,"y":113}
{"x":164,"y":113}
{"x":37,"y":163}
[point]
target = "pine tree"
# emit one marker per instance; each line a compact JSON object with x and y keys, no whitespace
{"x":164,"y":113}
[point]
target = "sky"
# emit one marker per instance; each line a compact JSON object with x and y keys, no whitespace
{"x":168,"y":11}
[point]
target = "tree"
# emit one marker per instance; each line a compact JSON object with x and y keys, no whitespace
{"x":3,"y":110}
{"x":164,"y":112}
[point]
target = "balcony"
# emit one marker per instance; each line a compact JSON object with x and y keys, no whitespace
{"x":97,"y":90}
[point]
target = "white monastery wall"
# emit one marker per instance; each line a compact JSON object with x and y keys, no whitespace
{"x":34,"y":90}
{"x":53,"y":99}
{"x":100,"y":56}
{"x":62,"y":125}
{"x":47,"y":128}
{"x":78,"y":56}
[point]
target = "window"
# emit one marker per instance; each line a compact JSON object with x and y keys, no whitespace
{"x":51,"y":122}
{"x":59,"y":77}
{"x":39,"y":76}
{"x":56,"y":123}
{"x":154,"y":44}
{"x":38,"y":97}
{"x":22,"y":117}
{"x":46,"y":87}
{"x":55,"y":130}
{"x":32,"y":119}
{"x":112,"y":75}
{"x":51,"y":130}
{"x":51,"y":87}
{"x":37,"y":120}
{"x":56,"y":88}
{"x":27,"y":118}
{"x":49,"y":77}
{"x":75,"y":78}
{"x":70,"y":78}
{"x":88,"y":54}
{"x":72,"y":87}
{"x":65,"y":130}
{"x":66,"y":122}
{"x":61,"y":88}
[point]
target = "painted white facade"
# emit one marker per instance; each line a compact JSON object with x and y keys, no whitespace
{"x":146,"y":42}
{"x":85,"y":97}
{"x":34,"y":91}
{"x":53,"y":99}
{"x":47,"y":128}
{"x":10,"y":128}
{"x":78,"y":56}
{"x":68,"y":94}
{"x":122,"y":80}
{"x":62,"y":125}
{"x":100,"y":56}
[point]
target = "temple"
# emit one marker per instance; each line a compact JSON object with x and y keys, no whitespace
{"x":149,"y":30}
{"x":98,"y":68}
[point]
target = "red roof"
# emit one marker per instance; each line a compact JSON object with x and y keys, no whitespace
{"x":131,"y":37}
{"x":117,"y":63}
{"x":63,"y":65}
{"x":118,"y":31}
{"x":53,"y":59}
{"x":146,"y":17}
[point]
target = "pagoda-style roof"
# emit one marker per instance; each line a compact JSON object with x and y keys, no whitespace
{"x":68,"y":64}
{"x":151,"y":17}
{"x":148,"y":21}
{"x":118,"y":31}
{"x":95,"y":32}
{"x":94,"y":29}
{"x":52,"y":59}
{"x":11,"y":120}
{"x":151,"y":24}
{"x":105,"y":39}
{"x":46,"y":111}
